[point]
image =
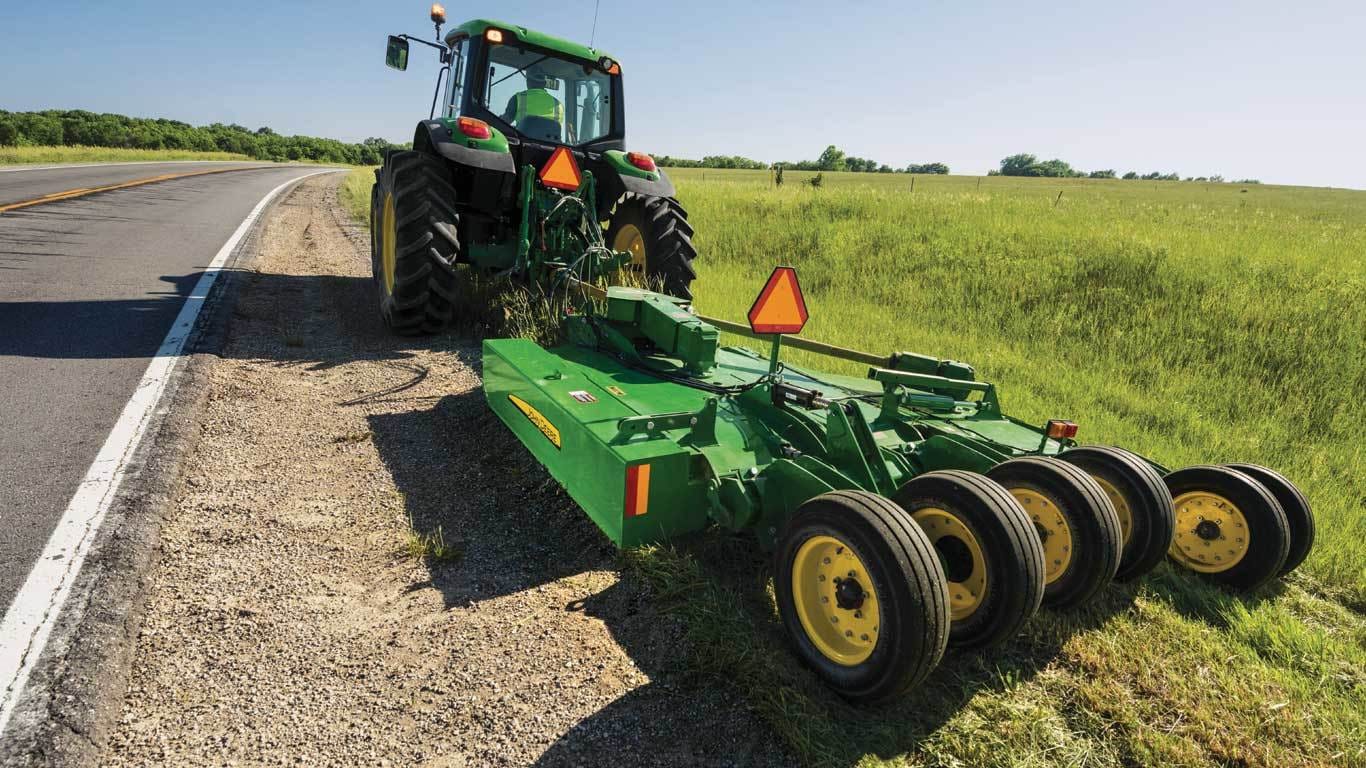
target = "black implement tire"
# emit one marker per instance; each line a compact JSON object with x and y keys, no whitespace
{"x":988,"y":549}
{"x":1141,"y":502}
{"x":1075,"y":521}
{"x":414,"y":245}
{"x":1207,"y":539}
{"x":664,"y":244}
{"x":1298,"y":515}
{"x":861,"y":537}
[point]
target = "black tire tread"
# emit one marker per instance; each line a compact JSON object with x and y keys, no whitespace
{"x":1108,"y":539}
{"x":669,"y":252}
{"x":425,"y":255}
{"x":910,"y":550}
{"x":1298,"y":514}
{"x":1270,"y":532}
{"x":1141,"y":554}
{"x":1025,"y":553}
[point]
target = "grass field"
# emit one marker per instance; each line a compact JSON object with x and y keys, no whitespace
{"x":1191,"y":322}
{"x":21,"y":155}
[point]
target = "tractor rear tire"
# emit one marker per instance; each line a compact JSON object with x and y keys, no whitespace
{"x":989,"y":551}
{"x":1075,"y":522}
{"x":1229,"y":527}
{"x":861,"y":594}
{"x":655,"y":230}
{"x":1140,"y":499}
{"x":1298,"y":514}
{"x":414,"y":246}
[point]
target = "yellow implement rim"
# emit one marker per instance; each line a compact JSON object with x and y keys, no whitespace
{"x":629,"y":238}
{"x":1212,"y":534}
{"x":965,"y":596}
{"x":1126,"y":515}
{"x":389,"y":228}
{"x":844,"y":635}
{"x":1056,"y":535}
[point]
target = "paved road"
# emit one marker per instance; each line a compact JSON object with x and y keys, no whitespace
{"x":88,"y":289}
{"x":26,"y":183}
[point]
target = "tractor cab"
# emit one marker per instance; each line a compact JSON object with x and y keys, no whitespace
{"x":539,"y":91}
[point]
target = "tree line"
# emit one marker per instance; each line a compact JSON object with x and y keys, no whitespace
{"x":75,"y":127}
{"x":1025,"y":164}
{"x":832,"y":159}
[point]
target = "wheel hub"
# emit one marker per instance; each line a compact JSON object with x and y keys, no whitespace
{"x":848,"y":594}
{"x":835,"y":600}
{"x":1212,"y":534}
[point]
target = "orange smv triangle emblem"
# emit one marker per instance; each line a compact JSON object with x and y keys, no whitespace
{"x":561,"y":171}
{"x":780,"y":307}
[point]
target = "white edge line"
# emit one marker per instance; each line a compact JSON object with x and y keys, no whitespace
{"x":29,"y":621}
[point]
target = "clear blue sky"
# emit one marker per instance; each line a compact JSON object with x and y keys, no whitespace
{"x":1275,"y":90}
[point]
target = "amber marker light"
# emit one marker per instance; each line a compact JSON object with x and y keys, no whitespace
{"x":1059,"y":429}
{"x":493,"y":35}
{"x":438,"y":13}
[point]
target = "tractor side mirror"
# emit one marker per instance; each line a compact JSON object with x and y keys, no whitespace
{"x":396,"y":56}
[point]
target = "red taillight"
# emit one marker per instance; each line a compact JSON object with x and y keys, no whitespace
{"x":475,"y":129}
{"x":641,"y":160}
{"x":1059,"y":429}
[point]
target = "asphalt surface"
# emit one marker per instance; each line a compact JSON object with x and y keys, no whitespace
{"x":88,"y":289}
{"x":25,"y":183}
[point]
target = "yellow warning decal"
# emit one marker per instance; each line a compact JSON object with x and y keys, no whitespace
{"x":534,"y":416}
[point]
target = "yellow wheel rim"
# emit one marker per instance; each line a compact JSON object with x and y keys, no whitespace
{"x":1212,"y":534}
{"x":387,"y":254}
{"x":1053,"y":530}
{"x":835,"y":600}
{"x":961,"y":554}
{"x":1126,"y":519}
{"x":630,"y":239}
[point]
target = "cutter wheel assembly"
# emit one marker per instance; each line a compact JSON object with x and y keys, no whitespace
{"x":906,"y":513}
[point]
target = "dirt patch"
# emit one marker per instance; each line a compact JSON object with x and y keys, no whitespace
{"x":288,"y":623}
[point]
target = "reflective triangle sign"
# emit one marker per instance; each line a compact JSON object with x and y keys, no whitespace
{"x":780,"y":307}
{"x":561,"y":171}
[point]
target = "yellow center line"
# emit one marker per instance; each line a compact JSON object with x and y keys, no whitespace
{"x":83,"y":191}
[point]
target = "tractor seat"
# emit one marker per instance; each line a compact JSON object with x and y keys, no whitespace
{"x":539,"y":128}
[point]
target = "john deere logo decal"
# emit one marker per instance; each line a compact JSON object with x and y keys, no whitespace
{"x":534,"y":416}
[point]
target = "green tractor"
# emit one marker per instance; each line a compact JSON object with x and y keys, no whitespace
{"x":471,"y":194}
{"x":906,"y":512}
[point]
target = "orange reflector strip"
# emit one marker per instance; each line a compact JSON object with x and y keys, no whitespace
{"x":780,"y":307}
{"x":637,"y":489}
{"x":561,"y":171}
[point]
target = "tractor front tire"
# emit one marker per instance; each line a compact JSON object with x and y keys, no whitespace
{"x":861,"y":594}
{"x":656,"y":232}
{"x":988,"y":549}
{"x":414,"y":244}
{"x":1075,"y":522}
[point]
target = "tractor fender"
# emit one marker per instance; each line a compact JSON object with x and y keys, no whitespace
{"x":486,"y":175}
{"x":660,"y":188}
{"x":491,"y":154}
{"x":622,"y":177}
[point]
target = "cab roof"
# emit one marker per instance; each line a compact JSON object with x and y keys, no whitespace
{"x":476,"y":27}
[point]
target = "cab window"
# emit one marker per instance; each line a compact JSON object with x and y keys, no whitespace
{"x":548,"y":97}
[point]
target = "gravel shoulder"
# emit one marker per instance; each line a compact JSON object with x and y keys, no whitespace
{"x":287,"y":621}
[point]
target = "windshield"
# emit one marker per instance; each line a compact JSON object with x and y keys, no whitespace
{"x":548,"y":98}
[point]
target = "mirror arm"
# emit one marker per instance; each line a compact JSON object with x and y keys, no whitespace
{"x":428,"y":43}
